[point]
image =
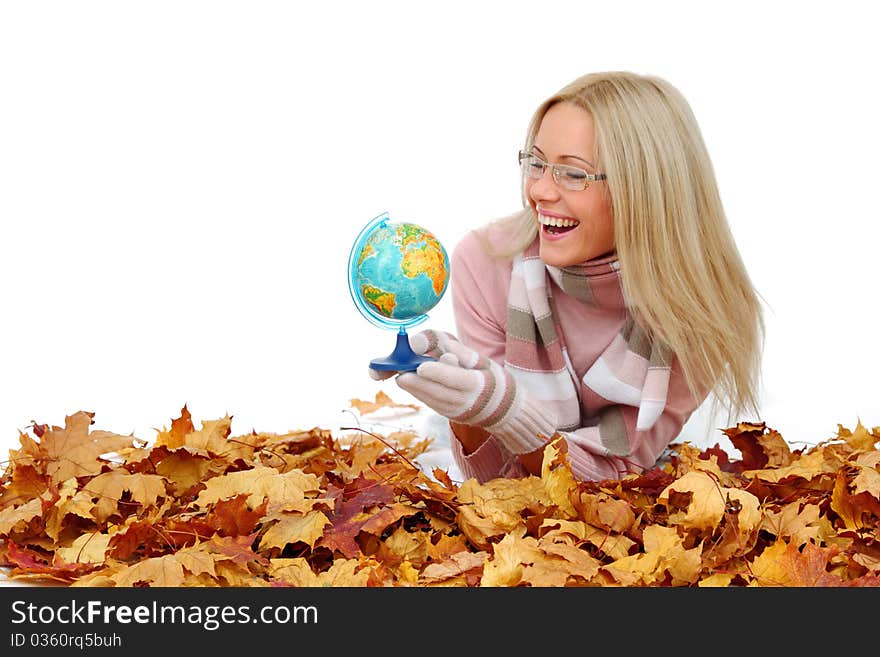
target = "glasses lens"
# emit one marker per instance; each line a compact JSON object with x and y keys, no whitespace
{"x":532,"y":166}
{"x":571,"y":177}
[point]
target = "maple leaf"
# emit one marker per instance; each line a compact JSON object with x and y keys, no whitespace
{"x":381,"y":401}
{"x":108,"y":488}
{"x":709,"y":502}
{"x":25,"y":483}
{"x":807,"y":466}
{"x":87,"y":548}
{"x":298,"y":572}
{"x":798,"y":524}
{"x":290,"y":528}
{"x":509,"y":555}
{"x":14,"y":516}
{"x":615,"y":546}
{"x":867,"y":480}
{"x":664,"y":556}
{"x":856,"y":511}
{"x":860,"y":439}
{"x":581,"y":566}
{"x":759,"y":445}
{"x":606,"y":511}
{"x":783,"y":564}
{"x":182,"y":469}
{"x":286,"y":491}
{"x":70,"y":501}
{"x":348,"y":517}
{"x":232,"y":517}
{"x":457,"y":567}
{"x":202,"y":508}
{"x":557,"y":477}
{"x":75,"y":452}
{"x":401,"y":547}
{"x":166,"y":570}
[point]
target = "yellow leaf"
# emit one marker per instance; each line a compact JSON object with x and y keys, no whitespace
{"x":284,"y":491}
{"x":808,"y":466}
{"x":196,"y":560}
{"x":767,"y":568}
{"x":74,"y":452}
{"x":708,"y":503}
{"x":155,"y":571}
{"x":505,"y":566}
{"x":345,"y":572}
{"x":797,"y":524}
{"x":454,"y":566}
{"x":13,"y":515}
{"x":87,"y":548}
{"x":558,"y":480}
{"x":108,"y":488}
{"x":295,"y":572}
{"x":716,"y":580}
{"x":306,"y":528}
{"x":868,"y":478}
{"x":408,"y":573}
{"x":861,"y":439}
{"x":382,"y":401}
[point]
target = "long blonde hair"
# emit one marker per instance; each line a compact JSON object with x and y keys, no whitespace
{"x":683,"y":277}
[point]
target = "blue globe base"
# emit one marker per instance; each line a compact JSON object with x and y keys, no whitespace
{"x":402,"y":359}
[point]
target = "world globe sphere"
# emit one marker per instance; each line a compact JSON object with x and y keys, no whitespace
{"x":401,"y":272}
{"x":397,"y":272}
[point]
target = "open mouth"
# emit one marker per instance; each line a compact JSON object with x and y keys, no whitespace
{"x":556,"y":225}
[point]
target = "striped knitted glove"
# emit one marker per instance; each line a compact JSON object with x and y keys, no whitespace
{"x":468,"y":388}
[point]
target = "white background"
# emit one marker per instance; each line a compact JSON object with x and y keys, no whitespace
{"x":180,"y":184}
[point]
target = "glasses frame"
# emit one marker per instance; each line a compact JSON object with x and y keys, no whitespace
{"x":556,"y":171}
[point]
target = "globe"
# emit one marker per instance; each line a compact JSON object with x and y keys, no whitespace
{"x":397,"y":272}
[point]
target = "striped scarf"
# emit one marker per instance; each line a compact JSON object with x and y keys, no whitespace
{"x":622,"y":393}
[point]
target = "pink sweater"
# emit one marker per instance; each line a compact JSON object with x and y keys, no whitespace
{"x":479,"y":287}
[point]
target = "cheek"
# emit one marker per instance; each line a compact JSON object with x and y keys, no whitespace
{"x":595,"y":211}
{"x":597,"y":215}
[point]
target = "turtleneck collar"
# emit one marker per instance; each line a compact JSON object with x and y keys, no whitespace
{"x":596,"y":282}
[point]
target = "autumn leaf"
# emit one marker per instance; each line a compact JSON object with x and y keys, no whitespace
{"x":709,"y":502}
{"x":108,"y":488}
{"x":201,"y":506}
{"x":294,"y":528}
{"x":74,"y":451}
{"x":381,"y":401}
{"x":286,"y":491}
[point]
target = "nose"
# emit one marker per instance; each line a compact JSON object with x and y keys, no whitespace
{"x":542,"y":189}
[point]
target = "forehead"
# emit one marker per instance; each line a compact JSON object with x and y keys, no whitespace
{"x":566,"y":128}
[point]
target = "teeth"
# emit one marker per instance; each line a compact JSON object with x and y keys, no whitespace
{"x":555,"y":221}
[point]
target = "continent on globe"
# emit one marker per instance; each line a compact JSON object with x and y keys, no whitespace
{"x":402,"y":271}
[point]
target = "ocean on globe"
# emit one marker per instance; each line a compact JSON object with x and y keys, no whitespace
{"x":402,"y":271}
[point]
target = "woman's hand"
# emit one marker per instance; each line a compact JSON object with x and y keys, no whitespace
{"x":473,"y":390}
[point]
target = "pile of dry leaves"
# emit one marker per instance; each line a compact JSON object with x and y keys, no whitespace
{"x":203,"y":507}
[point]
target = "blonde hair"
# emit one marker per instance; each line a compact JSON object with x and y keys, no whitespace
{"x":683,"y":277}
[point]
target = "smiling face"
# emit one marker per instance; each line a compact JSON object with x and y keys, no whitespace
{"x":574,"y":226}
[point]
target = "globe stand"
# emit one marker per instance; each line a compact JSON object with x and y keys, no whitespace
{"x":402,"y":359}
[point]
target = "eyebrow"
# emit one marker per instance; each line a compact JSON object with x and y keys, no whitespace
{"x":575,"y":157}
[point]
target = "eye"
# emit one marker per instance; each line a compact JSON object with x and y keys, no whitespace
{"x":533,"y":165}
{"x":575,"y":175}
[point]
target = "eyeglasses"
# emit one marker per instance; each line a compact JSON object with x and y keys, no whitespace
{"x":569,"y":177}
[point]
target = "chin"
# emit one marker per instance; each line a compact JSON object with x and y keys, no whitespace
{"x":557,"y":257}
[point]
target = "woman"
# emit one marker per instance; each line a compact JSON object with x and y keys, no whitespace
{"x":609,"y":308}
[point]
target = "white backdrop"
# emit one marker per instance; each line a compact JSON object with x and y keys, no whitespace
{"x":180,"y":184}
